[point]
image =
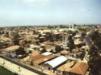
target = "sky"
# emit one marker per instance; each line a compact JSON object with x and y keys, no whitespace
{"x":43,"y":12}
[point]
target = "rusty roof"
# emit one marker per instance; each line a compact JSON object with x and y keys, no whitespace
{"x":43,"y":59}
{"x":66,"y":67}
{"x":80,"y":68}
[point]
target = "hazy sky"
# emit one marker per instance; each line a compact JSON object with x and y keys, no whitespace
{"x":19,"y":12}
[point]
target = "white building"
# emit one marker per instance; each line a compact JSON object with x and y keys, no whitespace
{"x":55,"y":62}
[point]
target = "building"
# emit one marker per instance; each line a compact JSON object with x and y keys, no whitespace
{"x":55,"y":62}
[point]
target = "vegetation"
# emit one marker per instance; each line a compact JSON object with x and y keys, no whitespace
{"x":4,"y":71}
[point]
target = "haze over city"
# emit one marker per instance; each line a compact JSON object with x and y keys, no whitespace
{"x":50,"y":37}
{"x":35,"y":12}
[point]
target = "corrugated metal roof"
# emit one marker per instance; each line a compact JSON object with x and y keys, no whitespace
{"x":46,"y":53}
{"x":57,"y":61}
{"x":80,"y":68}
{"x":66,"y":67}
{"x":34,"y":53}
{"x":43,"y":59}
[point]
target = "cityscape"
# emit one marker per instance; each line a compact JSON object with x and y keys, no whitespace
{"x":50,"y":37}
{"x":51,"y":50}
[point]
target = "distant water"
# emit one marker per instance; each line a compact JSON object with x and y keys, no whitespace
{"x":4,"y":71}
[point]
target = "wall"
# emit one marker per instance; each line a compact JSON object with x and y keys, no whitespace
{"x":17,"y":68}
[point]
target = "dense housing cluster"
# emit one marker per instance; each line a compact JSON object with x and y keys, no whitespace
{"x":54,"y":50}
